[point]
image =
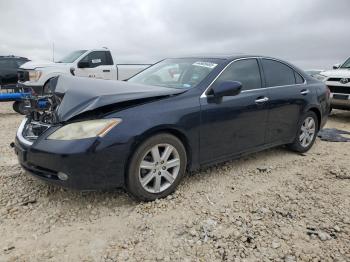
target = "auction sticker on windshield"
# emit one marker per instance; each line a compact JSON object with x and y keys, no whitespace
{"x":205,"y":64}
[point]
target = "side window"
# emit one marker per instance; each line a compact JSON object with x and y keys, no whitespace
{"x":245,"y":71}
{"x":109,"y":60}
{"x":298,"y":78}
{"x":277,"y":74}
{"x":97,"y":58}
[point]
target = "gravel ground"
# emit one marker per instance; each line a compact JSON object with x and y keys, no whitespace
{"x":271,"y":206}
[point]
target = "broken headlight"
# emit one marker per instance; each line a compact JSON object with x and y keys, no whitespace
{"x":85,"y":129}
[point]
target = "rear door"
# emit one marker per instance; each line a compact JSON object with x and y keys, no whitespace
{"x":100,"y":65}
{"x":288,"y":95}
{"x":236,"y":123}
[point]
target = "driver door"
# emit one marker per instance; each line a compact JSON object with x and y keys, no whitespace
{"x":100,"y":65}
{"x":234,"y":124}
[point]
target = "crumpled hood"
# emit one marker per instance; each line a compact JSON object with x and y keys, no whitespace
{"x":337,"y":73}
{"x":83,"y":94}
{"x":41,"y":64}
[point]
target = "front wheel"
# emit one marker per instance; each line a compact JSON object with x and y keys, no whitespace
{"x":156,"y":167}
{"x":19,"y":107}
{"x":307,"y":132}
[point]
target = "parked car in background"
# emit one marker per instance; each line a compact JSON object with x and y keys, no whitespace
{"x":338,"y":81}
{"x":177,"y":115}
{"x":8,"y":70}
{"x":313,"y":72}
{"x":95,"y":63}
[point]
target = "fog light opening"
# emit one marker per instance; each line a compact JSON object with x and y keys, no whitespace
{"x":62,"y":176}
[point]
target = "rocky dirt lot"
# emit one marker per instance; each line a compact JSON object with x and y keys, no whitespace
{"x":271,"y":206}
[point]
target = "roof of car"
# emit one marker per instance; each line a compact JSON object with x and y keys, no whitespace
{"x":232,"y":57}
{"x":223,"y":56}
{"x":12,"y":56}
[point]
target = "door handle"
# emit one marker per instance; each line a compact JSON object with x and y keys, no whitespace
{"x":106,"y":70}
{"x":304,"y":92}
{"x":261,"y":100}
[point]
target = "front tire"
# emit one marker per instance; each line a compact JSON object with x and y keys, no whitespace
{"x":307,"y":132}
{"x":156,"y":167}
{"x":19,"y":107}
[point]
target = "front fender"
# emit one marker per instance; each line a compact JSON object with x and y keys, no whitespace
{"x":43,"y":80}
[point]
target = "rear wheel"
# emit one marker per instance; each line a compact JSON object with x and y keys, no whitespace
{"x":156,"y":167}
{"x":307,"y":132}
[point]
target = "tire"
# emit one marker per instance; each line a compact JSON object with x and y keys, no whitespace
{"x":18,"y":106}
{"x":299,"y":144}
{"x":155,"y":179}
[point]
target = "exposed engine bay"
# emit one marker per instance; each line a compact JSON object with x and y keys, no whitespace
{"x":41,"y":113}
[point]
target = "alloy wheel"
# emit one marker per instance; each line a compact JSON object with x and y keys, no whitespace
{"x":307,"y":132}
{"x":159,"y":168}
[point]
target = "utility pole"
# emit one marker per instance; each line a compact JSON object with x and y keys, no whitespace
{"x":53,"y":52}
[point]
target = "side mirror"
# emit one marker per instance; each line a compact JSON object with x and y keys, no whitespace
{"x":336,"y":66}
{"x":227,"y":88}
{"x":82,"y":64}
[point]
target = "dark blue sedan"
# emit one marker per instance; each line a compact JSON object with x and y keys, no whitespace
{"x":177,"y":115}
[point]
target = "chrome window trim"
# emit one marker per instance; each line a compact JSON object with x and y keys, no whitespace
{"x":20,"y":133}
{"x":203,"y":95}
{"x":272,"y":87}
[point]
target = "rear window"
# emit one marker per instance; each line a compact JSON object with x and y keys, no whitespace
{"x":8,"y":63}
{"x":298,"y":78}
{"x":277,"y":73}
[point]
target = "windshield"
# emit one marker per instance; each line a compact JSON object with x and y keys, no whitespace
{"x":346,"y":64}
{"x":176,"y":73}
{"x":72,"y":56}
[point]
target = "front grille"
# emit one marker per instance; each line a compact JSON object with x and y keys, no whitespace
{"x":22,"y":75}
{"x":340,"y":89}
{"x":333,"y":79}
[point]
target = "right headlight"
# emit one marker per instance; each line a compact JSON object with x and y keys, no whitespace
{"x":85,"y":129}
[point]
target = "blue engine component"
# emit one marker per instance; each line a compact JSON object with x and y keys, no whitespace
{"x":43,"y":104}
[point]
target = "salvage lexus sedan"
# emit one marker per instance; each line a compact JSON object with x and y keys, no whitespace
{"x":176,"y":116}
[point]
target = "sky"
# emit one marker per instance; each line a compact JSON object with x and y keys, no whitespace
{"x":310,"y":34}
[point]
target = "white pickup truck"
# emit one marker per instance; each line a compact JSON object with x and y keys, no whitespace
{"x":97,"y":63}
{"x":338,"y":82}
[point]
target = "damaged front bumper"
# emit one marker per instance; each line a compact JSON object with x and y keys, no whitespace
{"x":85,"y":164}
